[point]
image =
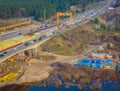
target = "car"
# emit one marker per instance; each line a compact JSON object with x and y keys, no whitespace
{"x":76,"y":23}
{"x":26,"y":44}
{"x":4,"y":52}
{"x":85,"y":19}
{"x":1,"y":55}
{"x":14,"y":48}
{"x":31,"y":42}
{"x":45,"y":26}
{"x":41,"y":38}
{"x":31,"y":30}
{"x":41,"y":26}
{"x":20,"y":33}
{"x":34,"y":40}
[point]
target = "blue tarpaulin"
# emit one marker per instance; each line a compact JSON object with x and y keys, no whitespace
{"x":108,"y":61}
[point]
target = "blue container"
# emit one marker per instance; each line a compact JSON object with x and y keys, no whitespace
{"x":85,"y":60}
{"x":117,"y":67}
{"x":78,"y":64}
{"x":108,"y":61}
{"x":84,"y":63}
{"x":96,"y":63}
{"x":99,"y":66}
{"x":99,"y":61}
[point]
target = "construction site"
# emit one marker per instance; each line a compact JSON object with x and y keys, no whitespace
{"x":31,"y":52}
{"x":23,"y":66}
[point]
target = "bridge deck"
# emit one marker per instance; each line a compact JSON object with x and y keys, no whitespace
{"x":25,"y":49}
{"x":13,"y":41}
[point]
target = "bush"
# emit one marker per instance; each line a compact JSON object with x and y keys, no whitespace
{"x":66,"y":76}
{"x":96,"y":21}
{"x":76,"y":76}
{"x":102,"y":26}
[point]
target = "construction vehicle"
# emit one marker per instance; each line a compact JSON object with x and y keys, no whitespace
{"x":11,"y":59}
{"x":109,"y":67}
{"x":15,"y":25}
{"x":9,"y":77}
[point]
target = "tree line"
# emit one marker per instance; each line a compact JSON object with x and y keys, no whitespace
{"x":37,"y":8}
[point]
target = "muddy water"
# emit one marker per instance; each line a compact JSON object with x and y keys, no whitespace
{"x":105,"y":86}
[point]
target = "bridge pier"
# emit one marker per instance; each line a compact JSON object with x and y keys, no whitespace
{"x":33,"y":52}
{"x":21,"y":54}
{"x":37,"y":51}
{"x":29,"y":53}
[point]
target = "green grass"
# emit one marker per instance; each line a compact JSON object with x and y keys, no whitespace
{"x":71,"y":42}
{"x":59,"y":46}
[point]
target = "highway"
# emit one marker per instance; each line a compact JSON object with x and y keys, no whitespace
{"x":12,"y":34}
{"x":50,"y":30}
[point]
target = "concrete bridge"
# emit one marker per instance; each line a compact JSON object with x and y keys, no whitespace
{"x":31,"y":50}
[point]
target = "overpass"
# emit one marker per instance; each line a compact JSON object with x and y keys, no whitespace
{"x":31,"y":47}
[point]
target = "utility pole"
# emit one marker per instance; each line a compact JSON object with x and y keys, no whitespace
{"x":93,"y":3}
{"x":106,"y":1}
{"x":90,"y":2}
{"x":84,"y":5}
{"x":79,"y":3}
{"x":66,"y":7}
{"x":44,"y":12}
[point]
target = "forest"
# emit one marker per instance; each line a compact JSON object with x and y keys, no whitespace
{"x":37,"y":8}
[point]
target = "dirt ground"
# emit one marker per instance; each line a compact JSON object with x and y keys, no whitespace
{"x":36,"y":70}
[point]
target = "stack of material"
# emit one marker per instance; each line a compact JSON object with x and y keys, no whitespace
{"x":98,"y":55}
